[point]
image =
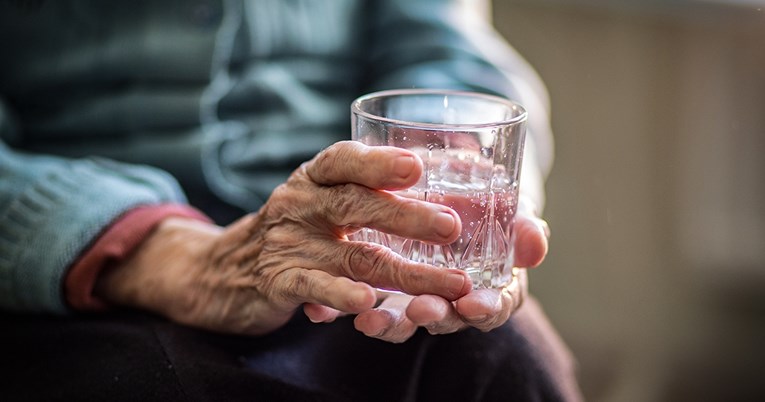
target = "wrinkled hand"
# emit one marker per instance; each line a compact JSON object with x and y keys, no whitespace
{"x":252,"y":276}
{"x":399,"y":316}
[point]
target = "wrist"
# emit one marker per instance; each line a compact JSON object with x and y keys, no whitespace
{"x":150,"y":276}
{"x":114,"y":245}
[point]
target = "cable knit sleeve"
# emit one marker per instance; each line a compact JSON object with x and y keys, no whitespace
{"x":52,"y":209}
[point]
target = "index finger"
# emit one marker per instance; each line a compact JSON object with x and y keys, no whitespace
{"x":378,"y":167}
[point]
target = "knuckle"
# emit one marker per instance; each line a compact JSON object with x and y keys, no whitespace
{"x":280,"y":192}
{"x":297,"y":287}
{"x":344,"y":201}
{"x":326,"y":161}
{"x":364,"y":261}
{"x":329,"y":162}
{"x":280,"y":199}
{"x":291,"y":202}
{"x":263,"y":282}
{"x":402,"y":212}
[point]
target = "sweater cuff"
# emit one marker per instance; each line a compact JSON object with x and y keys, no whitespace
{"x":114,"y":245}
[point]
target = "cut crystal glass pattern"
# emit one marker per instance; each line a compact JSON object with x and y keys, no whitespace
{"x":486,"y":254}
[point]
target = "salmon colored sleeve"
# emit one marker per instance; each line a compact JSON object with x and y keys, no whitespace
{"x":114,"y":245}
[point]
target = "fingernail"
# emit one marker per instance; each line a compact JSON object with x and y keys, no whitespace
{"x":455,"y":282}
{"x":443,"y":224}
{"x":403,"y":166}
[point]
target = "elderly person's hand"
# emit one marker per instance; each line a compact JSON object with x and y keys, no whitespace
{"x":399,"y":316}
{"x":252,"y":276}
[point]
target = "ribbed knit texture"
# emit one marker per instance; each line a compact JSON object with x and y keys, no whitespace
{"x":47,"y":222}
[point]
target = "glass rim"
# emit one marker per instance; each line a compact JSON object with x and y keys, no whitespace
{"x":522,"y":115}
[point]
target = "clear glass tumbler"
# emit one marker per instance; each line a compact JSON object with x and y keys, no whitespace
{"x":471,"y":145}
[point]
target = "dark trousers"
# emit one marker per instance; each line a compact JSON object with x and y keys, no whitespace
{"x":134,"y":356}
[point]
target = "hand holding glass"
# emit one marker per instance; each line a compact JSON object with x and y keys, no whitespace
{"x":471,"y":146}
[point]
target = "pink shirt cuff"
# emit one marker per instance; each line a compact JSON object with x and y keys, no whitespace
{"x":114,"y":245}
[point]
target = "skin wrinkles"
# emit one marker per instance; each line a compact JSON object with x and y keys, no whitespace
{"x":252,"y":276}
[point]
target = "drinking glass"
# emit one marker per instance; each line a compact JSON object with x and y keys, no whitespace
{"x":471,"y":146}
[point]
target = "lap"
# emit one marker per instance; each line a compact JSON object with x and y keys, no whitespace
{"x":135,"y":356}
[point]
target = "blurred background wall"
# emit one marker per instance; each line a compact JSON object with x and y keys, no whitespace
{"x":656,"y":274}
